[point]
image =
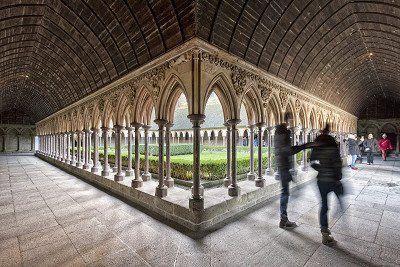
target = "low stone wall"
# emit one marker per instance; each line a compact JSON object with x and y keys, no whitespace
{"x":199,"y":222}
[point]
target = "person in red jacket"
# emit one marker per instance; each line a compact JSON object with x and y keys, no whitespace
{"x":384,"y":145}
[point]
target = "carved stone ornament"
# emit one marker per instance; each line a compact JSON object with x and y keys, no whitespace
{"x":284,"y":99}
{"x":265,"y":92}
{"x":297,"y":106}
{"x":239,"y":81}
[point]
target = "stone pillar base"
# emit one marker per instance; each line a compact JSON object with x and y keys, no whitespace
{"x":276,"y":176}
{"x":73,"y":162}
{"x":137,"y":183}
{"x":293,"y":172}
{"x":130,"y":172}
{"x":227,"y":182}
{"x":67,"y":161}
{"x":161,"y":192}
{"x":233,"y":191}
{"x":114,"y":169}
{"x":201,"y":190}
{"x":196,"y":204}
{"x":251,"y":176}
{"x":119,"y":177}
{"x":146,"y":176}
{"x":269,"y":172}
{"x":169,"y":182}
{"x":260,"y":182}
{"x":94,"y":169}
{"x":79,"y":164}
{"x":105,"y":173}
{"x":86,"y":166}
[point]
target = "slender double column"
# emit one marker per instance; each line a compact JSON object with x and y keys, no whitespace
{"x":79,"y":151}
{"x":106,"y":166}
{"x":58,"y":139}
{"x":251,"y":175}
{"x":305,"y":140}
{"x":68,"y":158}
{"x":271,"y":132}
{"x":260,"y":180}
{"x":129,"y":171}
{"x":169,"y":182}
{"x":293,"y":131}
{"x":233,"y":188}
{"x":96,"y":162}
{"x":138,"y":181}
{"x":227,"y":179}
{"x":86,"y":149}
{"x":196,"y":201}
{"x":161,"y":189}
{"x":119,"y":176}
{"x":146,"y":176}
{"x":73,"y":158}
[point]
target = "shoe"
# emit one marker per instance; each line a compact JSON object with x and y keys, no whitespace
{"x":286,"y":224}
{"x":354,"y":168}
{"x":328,"y":240}
{"x":368,"y":163}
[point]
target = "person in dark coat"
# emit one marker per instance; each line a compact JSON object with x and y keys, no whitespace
{"x":325,"y":158}
{"x":370,"y":147}
{"x":283,"y":156}
{"x":354,"y":150}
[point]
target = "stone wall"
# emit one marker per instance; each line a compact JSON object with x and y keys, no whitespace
{"x":15,"y":138}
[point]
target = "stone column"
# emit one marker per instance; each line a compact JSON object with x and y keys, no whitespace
{"x":259,"y":181}
{"x":62,"y":138}
{"x":73,"y":158}
{"x":86,"y":148}
{"x":79,"y":152}
{"x":33,"y":142}
{"x":68,"y":158}
{"x":251,"y":175}
{"x":196,"y":202}
{"x":129,"y":171}
{"x":106,"y":166}
{"x":227,"y":180}
{"x":18,"y":142}
{"x":96,"y":163}
{"x":169,"y":182}
{"x":89,"y":152}
{"x":119,"y":176}
{"x":138,"y":181}
{"x":271,"y":131}
{"x":293,"y":131}
{"x":161,"y":189}
{"x":233,"y":189}
{"x":305,"y":140}
{"x":146,"y":176}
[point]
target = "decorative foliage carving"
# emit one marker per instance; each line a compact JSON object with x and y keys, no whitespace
{"x":297,"y":105}
{"x":239,"y":81}
{"x":283,"y":96}
{"x":265,"y":92}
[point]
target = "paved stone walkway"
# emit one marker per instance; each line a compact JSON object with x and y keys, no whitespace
{"x":48,"y":217}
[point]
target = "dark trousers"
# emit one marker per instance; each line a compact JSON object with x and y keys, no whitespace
{"x":370,"y":157}
{"x":324,"y":189}
{"x":285,"y":178}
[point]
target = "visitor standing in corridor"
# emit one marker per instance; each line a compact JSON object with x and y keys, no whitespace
{"x":370,"y":147}
{"x":385,"y":145}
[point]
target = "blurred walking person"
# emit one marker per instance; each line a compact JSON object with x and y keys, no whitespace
{"x":370,"y":147}
{"x":284,"y":162}
{"x":385,"y":145}
{"x":325,"y":158}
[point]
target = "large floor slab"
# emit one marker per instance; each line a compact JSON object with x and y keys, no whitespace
{"x":48,"y":217}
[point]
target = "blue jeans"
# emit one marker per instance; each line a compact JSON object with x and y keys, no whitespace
{"x":285,"y":178}
{"x":353,"y":160}
{"x":324,"y":189}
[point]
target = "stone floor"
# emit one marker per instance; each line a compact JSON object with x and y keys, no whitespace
{"x":48,"y":217}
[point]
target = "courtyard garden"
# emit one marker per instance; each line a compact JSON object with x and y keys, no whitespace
{"x":213,"y":160}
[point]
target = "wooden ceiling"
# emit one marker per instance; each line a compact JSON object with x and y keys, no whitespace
{"x":54,"y":52}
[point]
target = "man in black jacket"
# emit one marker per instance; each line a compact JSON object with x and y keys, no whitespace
{"x":325,"y":158}
{"x":283,"y":156}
